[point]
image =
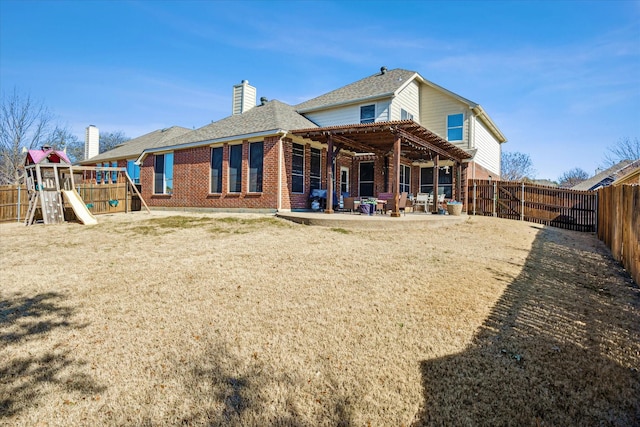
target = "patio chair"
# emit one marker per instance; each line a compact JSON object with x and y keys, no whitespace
{"x":348,"y":204}
{"x":424,"y":200}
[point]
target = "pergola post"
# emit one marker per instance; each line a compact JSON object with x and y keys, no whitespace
{"x":458,"y":182}
{"x":329,"y":168}
{"x":436,"y":174}
{"x":396,"y":182}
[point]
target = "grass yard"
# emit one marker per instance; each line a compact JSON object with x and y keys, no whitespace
{"x":248,"y":320}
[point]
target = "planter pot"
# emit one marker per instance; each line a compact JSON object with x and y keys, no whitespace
{"x":454,"y":209}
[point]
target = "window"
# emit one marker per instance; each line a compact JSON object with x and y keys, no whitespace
{"x":235,"y":168}
{"x":344,"y":181}
{"x":216,"y":170}
{"x":256,"y":150}
{"x":405,"y":115}
{"x":445,"y":181}
{"x":366,"y":179}
{"x":368,"y":113}
{"x":133,"y":171}
{"x":98,"y":173}
{"x":163,"y":174}
{"x":315,"y":169}
{"x":114,"y":174}
{"x":297,"y":168}
{"x":405,"y":178}
{"x":454,"y":127}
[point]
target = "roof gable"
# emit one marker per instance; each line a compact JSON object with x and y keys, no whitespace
{"x":46,"y":155}
{"x":376,"y":86}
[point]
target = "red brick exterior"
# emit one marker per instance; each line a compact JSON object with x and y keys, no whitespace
{"x":191,"y":178}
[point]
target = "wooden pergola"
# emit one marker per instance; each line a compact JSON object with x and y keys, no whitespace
{"x":397,"y":139}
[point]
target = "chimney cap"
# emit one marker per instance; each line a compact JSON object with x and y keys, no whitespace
{"x":383,"y":70}
{"x":263,"y":100}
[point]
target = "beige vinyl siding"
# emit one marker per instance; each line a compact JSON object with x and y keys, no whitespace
{"x":409,"y":100}
{"x":434,"y":109}
{"x":348,"y":115}
{"x":488,"y":155}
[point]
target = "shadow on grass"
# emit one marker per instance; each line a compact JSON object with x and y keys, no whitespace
{"x":27,"y":319}
{"x":561,"y":347}
{"x":229,"y":391}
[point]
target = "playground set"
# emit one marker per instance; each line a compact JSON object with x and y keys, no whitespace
{"x":53,"y":183}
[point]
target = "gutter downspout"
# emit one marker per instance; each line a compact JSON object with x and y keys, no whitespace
{"x":472,"y":133}
{"x":280,"y":165}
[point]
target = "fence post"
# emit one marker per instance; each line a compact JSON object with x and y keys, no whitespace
{"x":19,"y":195}
{"x":495,"y":198}
{"x":474,"y":196}
{"x":522,"y":204}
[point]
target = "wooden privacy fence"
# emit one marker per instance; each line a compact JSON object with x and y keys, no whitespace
{"x":619,"y":224}
{"x":99,"y":198}
{"x":558,"y":207}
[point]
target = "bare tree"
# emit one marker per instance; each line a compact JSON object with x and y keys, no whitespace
{"x":516,"y":166}
{"x":110,"y":140}
{"x":62,"y":139}
{"x":24,"y":124}
{"x":624,"y":149}
{"x":572,"y":177}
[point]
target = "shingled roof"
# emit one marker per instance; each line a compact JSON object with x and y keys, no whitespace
{"x":376,"y":86}
{"x":272,"y":116}
{"x":133,"y":147}
{"x":606,"y":177}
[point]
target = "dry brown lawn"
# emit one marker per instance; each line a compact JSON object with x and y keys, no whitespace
{"x":207,"y":319}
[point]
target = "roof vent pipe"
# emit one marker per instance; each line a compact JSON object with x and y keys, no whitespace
{"x":263,"y":100}
{"x":383,"y":70}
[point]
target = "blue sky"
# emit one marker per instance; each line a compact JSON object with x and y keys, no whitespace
{"x":561,"y":79}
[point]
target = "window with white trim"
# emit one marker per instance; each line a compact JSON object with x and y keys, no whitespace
{"x":344,"y":181}
{"x":405,"y":115}
{"x":368,"y":113}
{"x":163,"y":174}
{"x":315,"y":168}
{"x":366,"y":181}
{"x":256,"y":151}
{"x":216,"y":170}
{"x":235,"y":168}
{"x":297,"y":168}
{"x":445,"y":181}
{"x":455,"y":126}
{"x":405,"y":178}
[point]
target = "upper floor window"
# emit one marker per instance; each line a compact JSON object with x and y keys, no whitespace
{"x":455,"y":124}
{"x":405,"y":115}
{"x":163,"y":174}
{"x":297,"y":168}
{"x":256,"y":150}
{"x":368,"y":113}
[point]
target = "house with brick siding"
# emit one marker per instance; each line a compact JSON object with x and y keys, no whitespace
{"x":391,"y":132}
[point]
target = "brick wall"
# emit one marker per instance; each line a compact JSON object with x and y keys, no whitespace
{"x":191,"y":178}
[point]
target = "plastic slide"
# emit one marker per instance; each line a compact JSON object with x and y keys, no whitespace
{"x":82,"y":213}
